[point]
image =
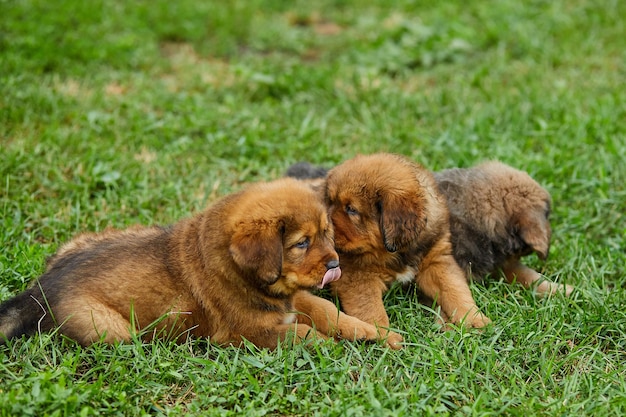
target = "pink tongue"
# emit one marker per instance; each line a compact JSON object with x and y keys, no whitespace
{"x":330,"y":276}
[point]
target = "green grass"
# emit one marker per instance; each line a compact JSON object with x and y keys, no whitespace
{"x":114,"y":113}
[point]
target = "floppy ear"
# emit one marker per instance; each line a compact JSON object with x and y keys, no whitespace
{"x":258,"y":250}
{"x":402,"y":218}
{"x":534,"y":229}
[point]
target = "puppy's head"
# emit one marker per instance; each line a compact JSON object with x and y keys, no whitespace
{"x":532,"y":221}
{"x":378,"y":202}
{"x":282,"y":237}
{"x":527,"y":206}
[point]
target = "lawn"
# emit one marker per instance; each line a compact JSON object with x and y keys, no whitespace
{"x":115,"y":113}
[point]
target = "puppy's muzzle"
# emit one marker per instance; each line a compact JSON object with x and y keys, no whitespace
{"x":333,"y":273}
{"x":332,"y":264}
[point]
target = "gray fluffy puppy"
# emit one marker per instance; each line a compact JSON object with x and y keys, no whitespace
{"x":498,"y":215}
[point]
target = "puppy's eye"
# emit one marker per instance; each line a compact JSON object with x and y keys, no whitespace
{"x":303,"y":244}
{"x":351,"y":210}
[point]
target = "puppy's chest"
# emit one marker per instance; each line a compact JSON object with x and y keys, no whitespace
{"x":405,"y":267}
{"x":289,"y":318}
{"x":406,"y":276}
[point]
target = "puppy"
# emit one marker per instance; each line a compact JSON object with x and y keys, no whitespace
{"x":240,"y":269}
{"x":391,"y":225}
{"x":498,"y":215}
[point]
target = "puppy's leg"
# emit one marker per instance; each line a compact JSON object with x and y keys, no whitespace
{"x":442,"y":279}
{"x":285,"y":333}
{"x":365,"y":302}
{"x":87,"y":321}
{"x":515,"y":271}
{"x":326,"y":318}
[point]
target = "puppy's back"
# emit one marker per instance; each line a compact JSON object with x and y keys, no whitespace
{"x":110,"y":267}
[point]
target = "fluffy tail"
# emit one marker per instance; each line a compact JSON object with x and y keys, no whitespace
{"x":25,"y":314}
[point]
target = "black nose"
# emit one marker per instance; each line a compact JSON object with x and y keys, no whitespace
{"x":332,"y":264}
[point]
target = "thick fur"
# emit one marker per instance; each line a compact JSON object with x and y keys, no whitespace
{"x":498,"y":214}
{"x":391,"y":224}
{"x":240,"y":269}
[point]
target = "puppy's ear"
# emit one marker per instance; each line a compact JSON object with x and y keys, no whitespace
{"x":258,"y":250}
{"x":534,"y":229}
{"x":402,"y":218}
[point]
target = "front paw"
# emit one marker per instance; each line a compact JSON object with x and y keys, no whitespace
{"x":565,"y":289}
{"x":357,"y":330}
{"x":547,"y":288}
{"x":393,"y":340}
{"x":472,"y":319}
{"x":476,"y":320}
{"x":568,"y":290}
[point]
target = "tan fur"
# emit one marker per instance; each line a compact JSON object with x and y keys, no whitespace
{"x":237,"y":270}
{"x":498,"y":215}
{"x":391,"y":223}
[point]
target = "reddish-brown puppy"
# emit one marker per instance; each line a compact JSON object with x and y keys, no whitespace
{"x":498,"y":215}
{"x":391,"y":224}
{"x":240,"y":269}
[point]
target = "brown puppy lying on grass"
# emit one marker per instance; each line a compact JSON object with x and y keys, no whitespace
{"x":240,"y":269}
{"x":391,"y":224}
{"x":498,"y":214}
